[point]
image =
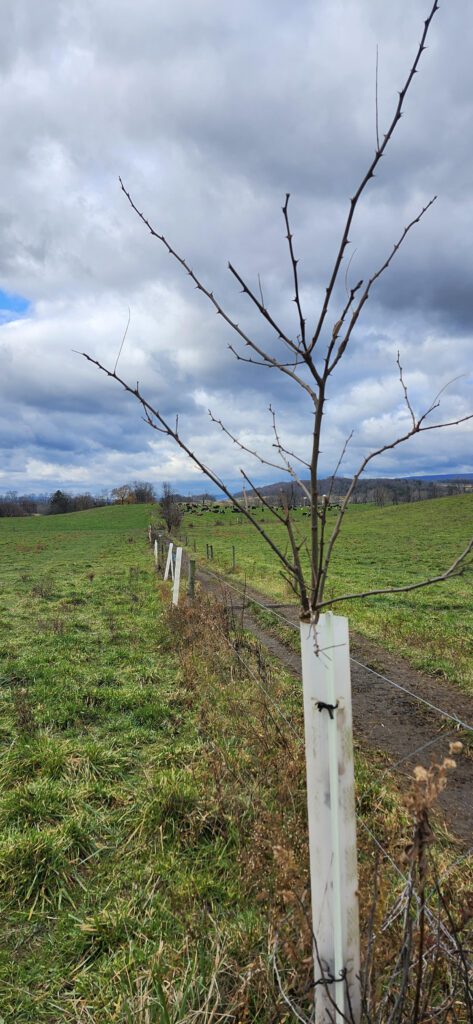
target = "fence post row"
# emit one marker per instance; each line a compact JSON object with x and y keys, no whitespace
{"x":331,"y":803}
{"x":331,"y":814}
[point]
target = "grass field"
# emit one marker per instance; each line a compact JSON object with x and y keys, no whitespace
{"x":389,"y":546}
{"x":124,"y":882}
{"x":152,"y":808}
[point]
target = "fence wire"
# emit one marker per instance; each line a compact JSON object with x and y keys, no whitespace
{"x":458,"y":722}
{"x":398,"y":686}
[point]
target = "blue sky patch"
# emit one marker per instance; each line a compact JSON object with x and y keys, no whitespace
{"x":12,"y":307}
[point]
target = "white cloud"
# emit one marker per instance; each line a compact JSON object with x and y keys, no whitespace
{"x":210,"y":113}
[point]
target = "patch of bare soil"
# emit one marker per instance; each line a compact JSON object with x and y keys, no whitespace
{"x":385,"y":718}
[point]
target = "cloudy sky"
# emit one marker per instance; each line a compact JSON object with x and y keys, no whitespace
{"x":211,"y":112}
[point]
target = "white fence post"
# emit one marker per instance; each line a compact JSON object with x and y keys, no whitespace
{"x":331,"y":815}
{"x":177,"y":576}
{"x":156,"y":552}
{"x":169,"y":565}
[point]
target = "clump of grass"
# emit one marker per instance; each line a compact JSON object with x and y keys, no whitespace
{"x":106,"y":929}
{"x":44,"y":587}
{"x":169,"y":804}
{"x":45,"y":756}
{"x":39,"y":803}
{"x":25,"y":720}
{"x":42,"y":865}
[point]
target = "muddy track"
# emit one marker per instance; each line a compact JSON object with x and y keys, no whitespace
{"x":385,"y":718}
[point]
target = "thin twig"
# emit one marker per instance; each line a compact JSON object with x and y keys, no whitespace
{"x":376,"y":100}
{"x":370,"y":174}
{"x":123,"y":340}
{"x":294,"y":263}
{"x":211,"y":297}
{"x":455,"y":569}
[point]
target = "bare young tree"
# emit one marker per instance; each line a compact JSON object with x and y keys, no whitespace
{"x":308,"y":360}
{"x":169,"y":508}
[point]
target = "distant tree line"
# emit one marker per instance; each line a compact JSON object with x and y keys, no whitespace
{"x":13,"y":504}
{"x":138,"y":493}
{"x":375,"y":491}
{"x":60,"y":502}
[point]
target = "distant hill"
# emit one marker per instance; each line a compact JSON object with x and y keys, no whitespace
{"x":380,"y":490}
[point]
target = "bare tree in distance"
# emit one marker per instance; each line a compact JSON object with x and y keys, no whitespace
{"x":308,"y":360}
{"x":169,"y":508}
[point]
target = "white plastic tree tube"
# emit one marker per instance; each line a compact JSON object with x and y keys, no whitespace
{"x":331,"y":815}
{"x":177,"y":576}
{"x":169,"y":566}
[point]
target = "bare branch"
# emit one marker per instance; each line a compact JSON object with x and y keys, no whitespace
{"x":261,"y":362}
{"x":347,"y":271}
{"x":417,"y":428}
{"x":152,"y":414}
{"x":280,"y":447}
{"x":376,"y":99}
{"x":404,"y":388}
{"x":339,"y":324}
{"x":364,"y":298}
{"x":370,"y":174}
{"x":262,"y":498}
{"x":337,"y":467}
{"x":211,"y":297}
{"x":289,"y":469}
{"x":260,"y":290}
{"x":243,"y":447}
{"x":295,"y":274}
{"x":299,"y":575}
{"x":246,"y":290}
{"x":456,"y":569}
{"x":123,"y":339}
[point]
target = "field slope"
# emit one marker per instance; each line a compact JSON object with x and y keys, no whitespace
{"x":390,"y":546}
{"x":152,"y":788}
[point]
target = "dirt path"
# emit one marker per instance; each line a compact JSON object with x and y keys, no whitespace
{"x":385,"y":718}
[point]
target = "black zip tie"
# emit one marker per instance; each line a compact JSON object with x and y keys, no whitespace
{"x":322,"y":706}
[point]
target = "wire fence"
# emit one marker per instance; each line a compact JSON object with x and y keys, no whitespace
{"x":447,"y":941}
{"x":391,"y":682}
{"x":458,"y":722}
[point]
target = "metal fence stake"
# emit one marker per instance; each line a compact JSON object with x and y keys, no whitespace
{"x":191,"y":581}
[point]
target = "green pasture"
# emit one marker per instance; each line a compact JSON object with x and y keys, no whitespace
{"x":389,"y":546}
{"x":125,"y":888}
{"x":108,"y":870}
{"x":152,"y":816}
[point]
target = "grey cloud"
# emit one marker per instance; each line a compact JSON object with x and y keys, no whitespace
{"x":211,"y":113}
